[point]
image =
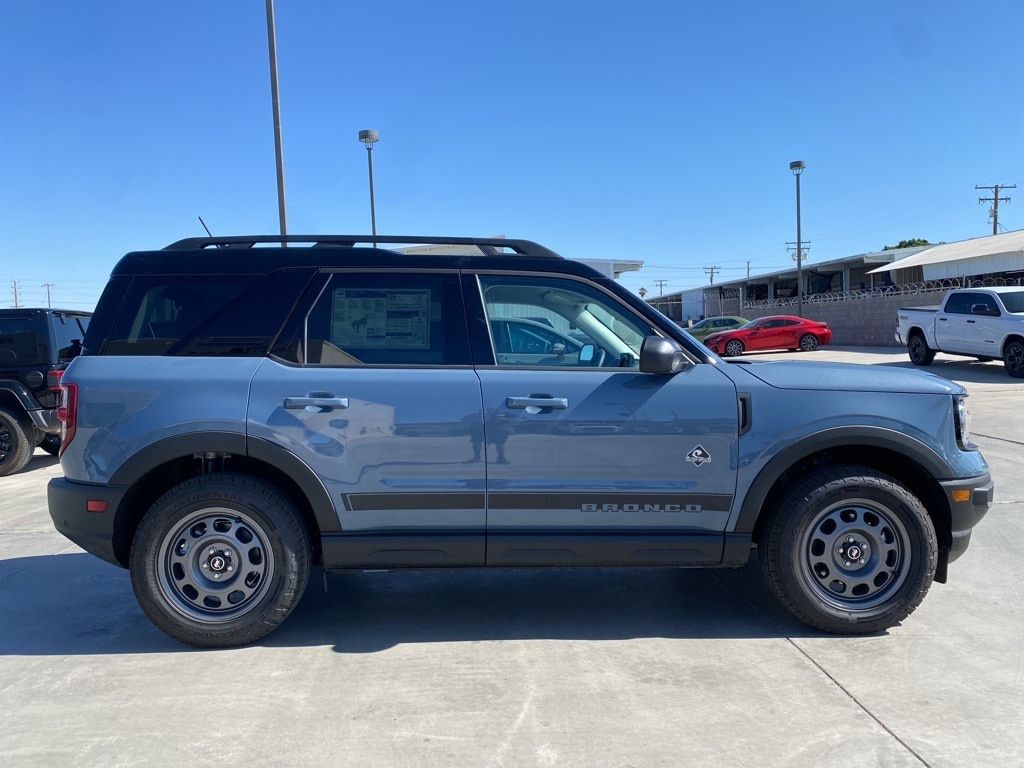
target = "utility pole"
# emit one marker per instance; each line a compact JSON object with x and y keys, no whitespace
{"x":661,"y":286}
{"x":14,"y":285}
{"x":48,"y":286}
{"x":711,"y":271}
{"x":995,"y":200}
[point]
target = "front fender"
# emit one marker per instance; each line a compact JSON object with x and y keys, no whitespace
{"x":829,"y":439}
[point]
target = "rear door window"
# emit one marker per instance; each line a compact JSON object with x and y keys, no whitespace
{"x":375,"y":318}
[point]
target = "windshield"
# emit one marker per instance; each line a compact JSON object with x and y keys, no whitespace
{"x":1014,"y":302}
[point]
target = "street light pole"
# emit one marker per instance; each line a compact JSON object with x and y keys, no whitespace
{"x":797,"y":167}
{"x":276,"y":105}
{"x":369,"y":138}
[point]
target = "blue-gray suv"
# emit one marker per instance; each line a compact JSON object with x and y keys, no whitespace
{"x":246,"y":408}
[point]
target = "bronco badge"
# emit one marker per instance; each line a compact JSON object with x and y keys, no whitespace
{"x":698,"y":456}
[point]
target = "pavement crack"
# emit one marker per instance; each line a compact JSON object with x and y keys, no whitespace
{"x":863,"y":707}
{"x":999,"y":439}
{"x":846,"y":692}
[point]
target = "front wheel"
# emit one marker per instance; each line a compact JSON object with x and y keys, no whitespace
{"x":917,"y":349}
{"x":808,"y":342}
{"x":734,"y":348}
{"x":849,"y":551}
{"x":220,"y":560}
{"x":1013,"y":359}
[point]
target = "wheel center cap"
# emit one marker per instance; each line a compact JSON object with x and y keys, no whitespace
{"x":853,"y":552}
{"x":218,"y":563}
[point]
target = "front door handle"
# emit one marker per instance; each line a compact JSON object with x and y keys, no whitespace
{"x":537,"y":402}
{"x":316,"y":400}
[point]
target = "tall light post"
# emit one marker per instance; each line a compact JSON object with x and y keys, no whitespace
{"x":276,"y":106}
{"x":797,"y":167}
{"x":369,"y":138}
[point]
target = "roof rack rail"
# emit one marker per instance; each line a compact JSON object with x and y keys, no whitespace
{"x":489,"y":246}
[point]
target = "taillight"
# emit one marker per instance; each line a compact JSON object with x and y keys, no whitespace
{"x":67,"y":413}
{"x":53,"y":379}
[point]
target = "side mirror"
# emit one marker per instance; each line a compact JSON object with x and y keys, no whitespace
{"x":662,"y":356}
{"x":587,"y":354}
{"x":984,"y":309}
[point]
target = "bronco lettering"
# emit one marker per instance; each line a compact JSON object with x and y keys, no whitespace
{"x":641,"y":508}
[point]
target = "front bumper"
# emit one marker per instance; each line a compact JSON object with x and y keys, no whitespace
{"x":967,"y":513}
{"x":92,"y":531}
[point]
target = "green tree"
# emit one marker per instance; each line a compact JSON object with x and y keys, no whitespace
{"x":912,"y":243}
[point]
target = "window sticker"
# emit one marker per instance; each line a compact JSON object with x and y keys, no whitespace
{"x":381,"y":318}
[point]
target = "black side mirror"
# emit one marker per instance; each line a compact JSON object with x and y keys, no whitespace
{"x":663,"y":356}
{"x":984,"y":309}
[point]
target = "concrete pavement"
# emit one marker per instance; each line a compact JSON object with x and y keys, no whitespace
{"x":523,"y":668}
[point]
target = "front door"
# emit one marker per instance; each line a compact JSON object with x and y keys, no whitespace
{"x":588,"y":459}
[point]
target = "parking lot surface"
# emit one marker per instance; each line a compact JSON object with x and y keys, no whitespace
{"x":530,"y":667}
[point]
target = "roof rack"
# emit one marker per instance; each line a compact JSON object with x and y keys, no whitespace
{"x":489,"y":246}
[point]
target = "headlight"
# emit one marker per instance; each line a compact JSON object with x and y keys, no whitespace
{"x":963,"y":421}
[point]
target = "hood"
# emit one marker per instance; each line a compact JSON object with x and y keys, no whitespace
{"x":848,"y":377}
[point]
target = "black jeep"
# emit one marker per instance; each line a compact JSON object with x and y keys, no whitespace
{"x":35,"y":346}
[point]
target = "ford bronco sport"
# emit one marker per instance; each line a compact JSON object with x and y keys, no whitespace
{"x":245,"y":409}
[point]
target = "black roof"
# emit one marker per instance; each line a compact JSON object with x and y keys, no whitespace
{"x":240,"y":255}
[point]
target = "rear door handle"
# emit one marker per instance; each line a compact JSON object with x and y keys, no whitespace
{"x":316,"y":400}
{"x":537,"y":402}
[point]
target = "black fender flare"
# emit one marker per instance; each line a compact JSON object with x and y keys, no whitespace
{"x":234,"y":443}
{"x":838,"y":437}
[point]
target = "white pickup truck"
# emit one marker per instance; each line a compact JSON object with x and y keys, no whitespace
{"x":986,"y":323}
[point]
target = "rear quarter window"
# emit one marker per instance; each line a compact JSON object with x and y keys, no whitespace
{"x":204,"y":315}
{"x":19,"y":343}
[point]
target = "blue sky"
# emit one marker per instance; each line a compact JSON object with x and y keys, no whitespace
{"x":659,"y":131}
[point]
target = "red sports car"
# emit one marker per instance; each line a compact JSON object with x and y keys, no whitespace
{"x":774,"y":332}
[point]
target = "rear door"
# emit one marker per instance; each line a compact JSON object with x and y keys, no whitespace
{"x":590,"y":460}
{"x":375,"y":393}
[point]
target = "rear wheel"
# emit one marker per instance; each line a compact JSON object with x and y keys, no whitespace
{"x":808,"y":342}
{"x":1013,"y":359}
{"x":16,"y":443}
{"x":917,"y":349}
{"x":849,"y":551}
{"x":734,"y":348}
{"x":220,"y":560}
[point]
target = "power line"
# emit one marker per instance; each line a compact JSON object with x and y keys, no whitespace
{"x":995,"y":199}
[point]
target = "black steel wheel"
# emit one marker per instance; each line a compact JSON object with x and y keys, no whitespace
{"x":220,"y":560}
{"x":734,"y":348}
{"x":918,"y":349}
{"x":850,"y":551}
{"x":1013,"y":359}
{"x":808,"y":342}
{"x":16,"y":443}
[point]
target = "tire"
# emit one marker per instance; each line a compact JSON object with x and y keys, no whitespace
{"x":16,"y":443}
{"x":849,"y":551}
{"x":733,"y":348}
{"x":808,"y":342}
{"x":1013,"y":359}
{"x":220,"y":561}
{"x":50,"y":444}
{"x":917,"y":349}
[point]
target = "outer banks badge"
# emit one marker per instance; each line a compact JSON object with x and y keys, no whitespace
{"x":698,"y":456}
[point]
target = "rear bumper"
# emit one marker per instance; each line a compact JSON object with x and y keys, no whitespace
{"x":92,"y":531}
